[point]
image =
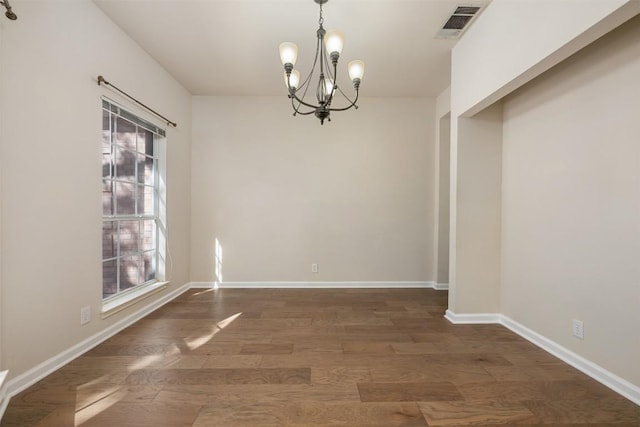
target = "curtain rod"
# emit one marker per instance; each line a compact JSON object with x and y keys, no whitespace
{"x":169,"y":122}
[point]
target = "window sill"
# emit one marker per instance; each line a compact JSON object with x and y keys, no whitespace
{"x":120,"y":303}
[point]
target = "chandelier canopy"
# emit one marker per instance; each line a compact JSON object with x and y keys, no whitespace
{"x":328,"y":47}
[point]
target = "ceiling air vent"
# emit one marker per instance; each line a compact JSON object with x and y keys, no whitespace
{"x":458,"y":22}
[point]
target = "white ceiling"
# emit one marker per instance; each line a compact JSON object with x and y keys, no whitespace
{"x":230,"y":47}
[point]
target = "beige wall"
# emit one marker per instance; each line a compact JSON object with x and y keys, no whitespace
{"x":442,"y":188}
{"x":568,"y":231}
{"x":571,"y":205}
{"x":487,"y":66}
{"x":50,"y":163}
{"x":280,"y":193}
{"x":501,"y":51}
{"x":444,"y":159}
{"x":1,"y":174}
{"x":478,"y":162}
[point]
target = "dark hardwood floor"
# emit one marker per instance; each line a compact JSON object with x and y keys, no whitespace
{"x":368,"y":357}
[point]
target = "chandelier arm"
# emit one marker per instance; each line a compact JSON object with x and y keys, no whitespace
{"x":296,"y":110}
{"x":329,"y":97}
{"x":294,"y":97}
{"x":334,"y":82}
{"x":301,"y":101}
{"x":347,"y":98}
{"x":308,"y":113}
{"x":321,"y":47}
{"x":332,"y":73}
{"x":313,"y":67}
{"x":305,"y":85}
{"x":353,"y":104}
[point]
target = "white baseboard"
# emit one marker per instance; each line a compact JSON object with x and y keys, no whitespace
{"x":203,"y":285}
{"x":35,"y":374}
{"x":477,"y":318}
{"x":441,"y":286}
{"x":597,"y":372}
{"x":316,"y":285}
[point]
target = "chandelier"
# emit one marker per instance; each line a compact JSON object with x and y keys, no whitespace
{"x":328,"y":47}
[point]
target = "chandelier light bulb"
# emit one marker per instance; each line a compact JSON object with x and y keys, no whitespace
{"x":334,"y":41}
{"x":288,"y":53}
{"x":356,"y":69}
{"x":294,"y":79}
{"x":328,"y":87}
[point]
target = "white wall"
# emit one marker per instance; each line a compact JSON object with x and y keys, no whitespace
{"x":571,"y":212}
{"x":51,"y":171}
{"x":280,"y":193}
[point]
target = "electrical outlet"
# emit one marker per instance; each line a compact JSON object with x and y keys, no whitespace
{"x":578,"y":329}
{"x":85,"y":315}
{"x":314,"y":268}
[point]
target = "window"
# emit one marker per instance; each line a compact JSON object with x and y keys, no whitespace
{"x":131,"y":201}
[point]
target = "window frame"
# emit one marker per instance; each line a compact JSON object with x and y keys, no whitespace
{"x":158,"y":216}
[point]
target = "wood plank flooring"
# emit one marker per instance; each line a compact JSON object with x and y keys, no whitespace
{"x":367,"y":357}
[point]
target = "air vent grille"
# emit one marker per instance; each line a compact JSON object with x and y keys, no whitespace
{"x":466,"y":10}
{"x":459,"y":21}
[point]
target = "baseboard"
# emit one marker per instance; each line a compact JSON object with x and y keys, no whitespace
{"x":33,"y":375}
{"x":597,"y":372}
{"x":315,"y":285}
{"x":479,"y":318}
{"x":441,"y":286}
{"x":203,"y":285}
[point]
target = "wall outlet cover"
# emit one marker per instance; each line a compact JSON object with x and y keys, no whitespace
{"x":85,"y":315}
{"x":578,"y":329}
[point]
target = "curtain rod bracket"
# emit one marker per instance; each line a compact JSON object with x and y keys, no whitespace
{"x":9,"y":13}
{"x":102,"y":80}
